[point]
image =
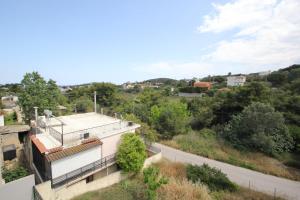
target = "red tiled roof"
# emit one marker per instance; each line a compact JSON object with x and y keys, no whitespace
{"x":87,"y":144}
{"x":202,"y":84}
{"x":38,"y":144}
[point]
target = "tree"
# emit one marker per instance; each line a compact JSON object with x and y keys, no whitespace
{"x":37,"y":92}
{"x":131,"y":153}
{"x":202,"y":112}
{"x":106,"y":93}
{"x":259,"y":127}
{"x":84,"y":104}
{"x":170,"y":118}
{"x":149,"y":134}
{"x":153,"y":181}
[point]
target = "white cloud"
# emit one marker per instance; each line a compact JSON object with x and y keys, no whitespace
{"x":267,"y":32}
{"x":266,"y":35}
{"x":176,"y":70}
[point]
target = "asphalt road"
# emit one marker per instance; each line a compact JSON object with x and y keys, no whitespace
{"x":244,"y":177}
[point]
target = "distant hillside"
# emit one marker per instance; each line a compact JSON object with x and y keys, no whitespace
{"x":166,"y":81}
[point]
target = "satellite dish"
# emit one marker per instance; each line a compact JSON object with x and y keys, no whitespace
{"x":48,"y":113}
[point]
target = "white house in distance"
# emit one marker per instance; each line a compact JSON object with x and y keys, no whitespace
{"x":75,"y":147}
{"x":236,"y":80}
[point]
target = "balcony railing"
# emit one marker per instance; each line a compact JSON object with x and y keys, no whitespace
{"x":102,"y":163}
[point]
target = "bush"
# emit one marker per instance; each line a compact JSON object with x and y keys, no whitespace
{"x":131,"y":153}
{"x":170,"y":118}
{"x":14,"y":174}
{"x":259,"y":127}
{"x":212,"y":177}
{"x":153,"y":181}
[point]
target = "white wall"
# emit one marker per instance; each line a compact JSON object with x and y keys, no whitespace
{"x":18,"y":189}
{"x":1,"y":120}
{"x":76,"y":161}
{"x":111,"y":143}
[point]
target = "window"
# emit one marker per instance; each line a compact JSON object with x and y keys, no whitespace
{"x":89,"y":178}
{"x":86,"y":135}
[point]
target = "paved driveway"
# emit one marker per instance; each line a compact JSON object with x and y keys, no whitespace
{"x":243,"y":177}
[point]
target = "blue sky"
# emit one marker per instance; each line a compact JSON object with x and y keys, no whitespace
{"x":117,"y":41}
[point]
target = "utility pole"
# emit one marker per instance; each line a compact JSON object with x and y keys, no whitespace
{"x":36,"y":118}
{"x":95,"y":101}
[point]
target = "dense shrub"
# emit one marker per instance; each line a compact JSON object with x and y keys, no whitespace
{"x":170,"y":118}
{"x":212,"y":177}
{"x":261,"y":128}
{"x":131,"y":153}
{"x":153,"y":181}
{"x":14,"y":174}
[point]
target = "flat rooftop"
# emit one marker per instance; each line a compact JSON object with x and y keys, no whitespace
{"x":79,"y":122}
{"x":74,"y":126}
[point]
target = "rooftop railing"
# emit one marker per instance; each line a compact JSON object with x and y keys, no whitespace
{"x":70,"y":138}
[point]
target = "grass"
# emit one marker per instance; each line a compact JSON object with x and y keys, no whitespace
{"x":243,"y":194}
{"x":208,"y":145}
{"x":130,"y":189}
{"x":178,"y":188}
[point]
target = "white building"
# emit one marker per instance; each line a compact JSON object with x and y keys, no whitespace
{"x":236,"y":80}
{"x":78,"y":146}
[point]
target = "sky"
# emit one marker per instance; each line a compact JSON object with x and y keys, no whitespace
{"x":75,"y":41}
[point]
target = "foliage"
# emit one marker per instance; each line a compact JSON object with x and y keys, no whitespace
{"x":170,"y":118}
{"x":145,"y":131}
{"x":295,"y":133}
{"x":14,"y":174}
{"x":84,"y":104}
{"x":153,"y":181}
{"x":202,"y":112}
{"x":37,"y":92}
{"x":10,"y":119}
{"x":212,"y":177}
{"x":259,"y":127}
{"x":191,"y":89}
{"x":131,"y":153}
{"x":106,"y":93}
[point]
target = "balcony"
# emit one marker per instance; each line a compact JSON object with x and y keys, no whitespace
{"x":98,"y":165}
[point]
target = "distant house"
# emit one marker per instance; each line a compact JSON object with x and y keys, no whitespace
{"x":9,"y":101}
{"x":199,"y":84}
{"x":127,"y":86}
{"x":264,"y":73}
{"x":236,"y":80}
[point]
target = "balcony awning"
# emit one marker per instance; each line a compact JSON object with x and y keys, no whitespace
{"x":60,"y":154}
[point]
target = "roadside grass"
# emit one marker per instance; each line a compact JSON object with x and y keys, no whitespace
{"x":130,"y":189}
{"x":178,"y":188}
{"x":243,"y":194}
{"x":208,"y":145}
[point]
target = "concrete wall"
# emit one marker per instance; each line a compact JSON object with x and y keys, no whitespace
{"x":78,"y":188}
{"x":153,"y":159}
{"x":110,"y":144}
{"x":1,"y":120}
{"x":18,"y":189}
{"x":76,"y":161}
